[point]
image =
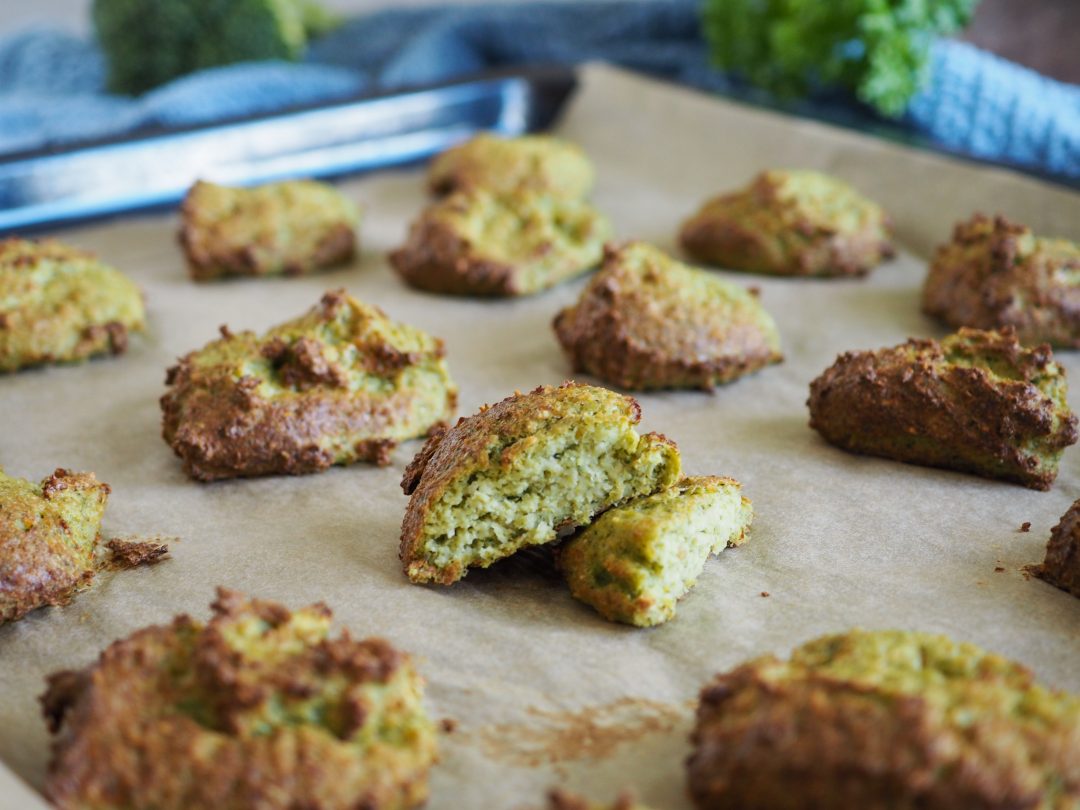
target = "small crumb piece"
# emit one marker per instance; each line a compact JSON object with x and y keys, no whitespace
{"x":1025,"y":526}
{"x":449,"y":725}
{"x":765,"y":594}
{"x":999,"y":570}
{"x":126,"y":554}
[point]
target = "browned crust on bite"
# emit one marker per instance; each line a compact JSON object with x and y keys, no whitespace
{"x":415,"y":469}
{"x":437,"y":259}
{"x":1061,"y":568}
{"x":908,"y":404}
{"x":122,"y":742}
{"x":226,"y":430}
{"x":993,"y":273}
{"x":614,"y":332}
{"x":826,"y":742}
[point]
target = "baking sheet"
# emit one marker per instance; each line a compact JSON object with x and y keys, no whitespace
{"x":545,"y":692}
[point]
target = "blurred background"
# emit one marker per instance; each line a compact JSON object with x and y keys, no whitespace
{"x":1042,"y":34}
{"x":994,"y":80}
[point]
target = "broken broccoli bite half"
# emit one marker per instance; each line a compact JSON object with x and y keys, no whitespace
{"x":49,"y":533}
{"x":884,"y":719}
{"x":477,"y":242}
{"x":646,"y":321}
{"x":291,"y":228}
{"x":637,"y":560}
{"x":976,"y":402}
{"x":259,"y":707}
{"x":520,"y":472}
{"x":538,"y":163}
{"x":61,"y":305}
{"x":341,"y":384}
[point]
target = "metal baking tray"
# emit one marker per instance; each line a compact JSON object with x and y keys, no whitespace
{"x":153,"y":168}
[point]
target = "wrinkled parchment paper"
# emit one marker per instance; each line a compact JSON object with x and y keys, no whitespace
{"x":545,"y":692}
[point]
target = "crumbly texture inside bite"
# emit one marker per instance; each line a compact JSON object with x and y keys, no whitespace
{"x":977,"y":402}
{"x":995,"y":274}
{"x":290,"y":228}
{"x":49,"y":533}
{"x":560,"y":799}
{"x":639,"y":559}
{"x":479,"y":242}
{"x":520,"y":472}
{"x":60,"y":305}
{"x":260,"y":706}
{"x":1061,"y":568}
{"x":884,"y":719}
{"x":539,"y":163}
{"x":646,"y":321}
{"x":791,"y":223}
{"x":342,"y":383}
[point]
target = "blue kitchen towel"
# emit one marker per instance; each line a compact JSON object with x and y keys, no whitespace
{"x":52,"y":83}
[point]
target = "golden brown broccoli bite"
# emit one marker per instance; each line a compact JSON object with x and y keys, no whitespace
{"x":481,"y":243}
{"x":1061,"y":567}
{"x":790,"y":223}
{"x":49,"y":533}
{"x":538,"y":163}
{"x":647,"y":321}
{"x":341,"y":384}
{"x":995,"y":274}
{"x":290,"y":228}
{"x":60,"y":305}
{"x":259,"y":707}
{"x":885,"y":719}
{"x":977,"y":402}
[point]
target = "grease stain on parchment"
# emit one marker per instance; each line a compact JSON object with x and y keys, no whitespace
{"x":590,"y":733}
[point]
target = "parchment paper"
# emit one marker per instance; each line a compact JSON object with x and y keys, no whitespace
{"x":544,"y":691}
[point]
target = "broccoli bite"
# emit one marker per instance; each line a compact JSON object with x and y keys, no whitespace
{"x":542,"y":164}
{"x":976,"y":402}
{"x":62,"y":305}
{"x":481,"y":243}
{"x":259,"y":707}
{"x":995,"y":274}
{"x":790,"y":223}
{"x":884,"y":719}
{"x":520,"y":472}
{"x":291,"y":228}
{"x":340,"y":384}
{"x":646,"y":321}
{"x":49,"y":533}
{"x":638,"y":559}
{"x":1061,"y":567}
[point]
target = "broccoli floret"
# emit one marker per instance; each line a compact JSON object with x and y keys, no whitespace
{"x":877,"y":48}
{"x":149,"y":42}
